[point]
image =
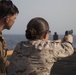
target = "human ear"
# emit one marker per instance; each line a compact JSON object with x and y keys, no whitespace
{"x":7,"y":19}
{"x":45,"y":35}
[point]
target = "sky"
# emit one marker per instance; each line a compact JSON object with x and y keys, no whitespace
{"x":60,"y":14}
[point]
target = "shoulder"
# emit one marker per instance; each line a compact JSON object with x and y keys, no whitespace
{"x":2,"y":40}
{"x":41,"y":44}
{"x":22,"y":45}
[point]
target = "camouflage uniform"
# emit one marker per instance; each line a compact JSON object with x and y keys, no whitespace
{"x":37,"y":57}
{"x":3,"y":56}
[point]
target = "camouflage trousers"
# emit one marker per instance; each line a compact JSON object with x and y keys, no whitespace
{"x":3,"y":68}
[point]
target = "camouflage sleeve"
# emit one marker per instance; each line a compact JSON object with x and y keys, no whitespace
{"x":16,"y":50}
{"x":14,"y":60}
{"x":62,"y":49}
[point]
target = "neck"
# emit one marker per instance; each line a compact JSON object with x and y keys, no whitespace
{"x":1,"y":26}
{"x":44,"y":39}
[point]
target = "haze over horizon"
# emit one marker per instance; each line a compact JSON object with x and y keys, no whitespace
{"x":60,"y":14}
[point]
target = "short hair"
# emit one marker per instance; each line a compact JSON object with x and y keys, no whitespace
{"x":7,"y":8}
{"x":36,"y":28}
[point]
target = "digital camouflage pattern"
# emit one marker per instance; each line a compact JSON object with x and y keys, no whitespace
{"x":3,"y":56}
{"x":37,"y":57}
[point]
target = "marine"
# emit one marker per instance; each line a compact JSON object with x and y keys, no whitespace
{"x":37,"y":54}
{"x":8,"y":13}
{"x":3,"y":56}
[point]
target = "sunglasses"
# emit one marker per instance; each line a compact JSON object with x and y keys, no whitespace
{"x":49,"y":31}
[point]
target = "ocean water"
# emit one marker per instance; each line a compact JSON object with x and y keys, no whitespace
{"x":12,"y":40}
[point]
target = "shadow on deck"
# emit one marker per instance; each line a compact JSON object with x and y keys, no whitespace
{"x":66,"y":66}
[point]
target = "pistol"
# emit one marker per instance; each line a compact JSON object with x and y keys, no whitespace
{"x":68,"y":32}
